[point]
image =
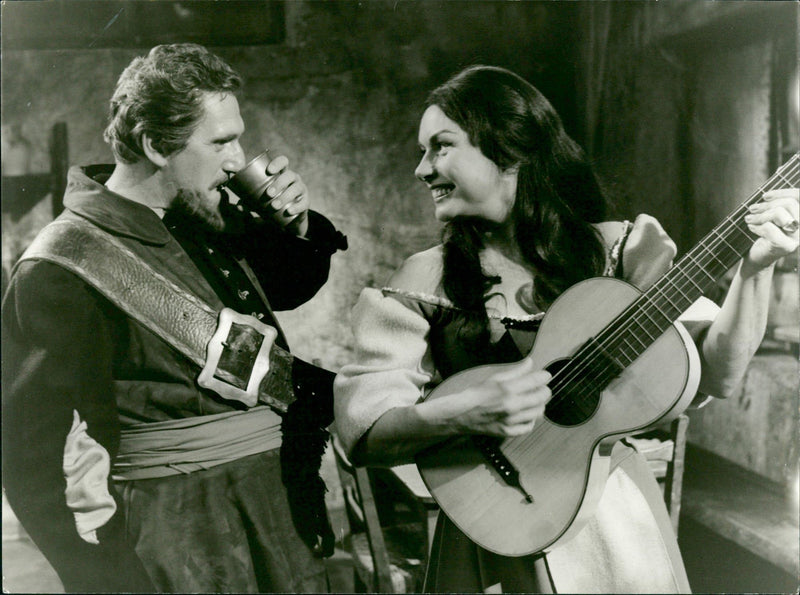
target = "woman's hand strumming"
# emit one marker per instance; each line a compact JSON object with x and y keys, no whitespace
{"x":508,"y":403}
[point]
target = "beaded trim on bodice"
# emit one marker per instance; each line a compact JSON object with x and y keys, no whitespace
{"x":530,"y":322}
{"x":527,"y":323}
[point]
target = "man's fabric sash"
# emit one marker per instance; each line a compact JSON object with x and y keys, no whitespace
{"x":176,"y":446}
{"x":173,"y":314}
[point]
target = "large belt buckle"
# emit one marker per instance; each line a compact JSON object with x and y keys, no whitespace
{"x":237,"y":357}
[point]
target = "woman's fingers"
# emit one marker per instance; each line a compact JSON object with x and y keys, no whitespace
{"x":776,"y":221}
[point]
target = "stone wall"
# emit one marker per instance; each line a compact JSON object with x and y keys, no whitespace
{"x":341,"y":97}
{"x":671,"y":99}
{"x":680,"y":106}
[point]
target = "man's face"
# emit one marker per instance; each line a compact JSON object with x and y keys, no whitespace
{"x":194,"y":174}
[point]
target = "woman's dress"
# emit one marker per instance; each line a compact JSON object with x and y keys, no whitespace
{"x":408,"y":340}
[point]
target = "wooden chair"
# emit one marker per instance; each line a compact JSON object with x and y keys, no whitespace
{"x":21,"y":192}
{"x":400,"y":493}
{"x":388,"y":548}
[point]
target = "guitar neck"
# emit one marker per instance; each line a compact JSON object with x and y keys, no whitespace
{"x":692,"y":276}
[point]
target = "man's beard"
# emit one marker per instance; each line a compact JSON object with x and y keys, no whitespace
{"x":188,"y":206}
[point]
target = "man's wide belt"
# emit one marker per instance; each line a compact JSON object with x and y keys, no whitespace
{"x":237,"y":353}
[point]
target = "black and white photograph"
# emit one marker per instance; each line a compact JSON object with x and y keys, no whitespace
{"x":400,"y":296}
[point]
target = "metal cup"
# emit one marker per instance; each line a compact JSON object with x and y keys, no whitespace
{"x":250,"y":184}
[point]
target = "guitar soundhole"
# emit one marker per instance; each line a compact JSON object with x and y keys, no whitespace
{"x":575,"y":395}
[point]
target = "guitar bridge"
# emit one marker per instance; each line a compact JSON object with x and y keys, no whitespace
{"x":489,"y":446}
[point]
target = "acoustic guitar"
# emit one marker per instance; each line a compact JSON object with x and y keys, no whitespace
{"x":620,"y":364}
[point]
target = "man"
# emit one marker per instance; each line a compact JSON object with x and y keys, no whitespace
{"x":128,"y":470}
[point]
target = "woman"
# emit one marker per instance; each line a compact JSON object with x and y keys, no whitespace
{"x":523,"y":221}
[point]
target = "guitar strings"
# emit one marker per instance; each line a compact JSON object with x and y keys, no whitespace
{"x":707,"y":250}
{"x":593,"y":352}
{"x":717,"y":240}
{"x":707,"y":259}
{"x":592,"y":356}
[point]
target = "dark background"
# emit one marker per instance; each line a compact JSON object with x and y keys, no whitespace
{"x":685,"y":107}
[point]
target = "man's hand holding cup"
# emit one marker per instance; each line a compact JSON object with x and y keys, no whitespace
{"x":269,"y":188}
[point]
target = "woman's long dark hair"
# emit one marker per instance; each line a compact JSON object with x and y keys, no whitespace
{"x":558,"y":196}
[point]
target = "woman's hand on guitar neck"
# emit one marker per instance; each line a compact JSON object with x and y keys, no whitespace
{"x":739,"y":327}
{"x":775,"y":220}
{"x":506,"y":403}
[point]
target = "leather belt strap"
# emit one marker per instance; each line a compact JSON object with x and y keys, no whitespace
{"x":144,"y":294}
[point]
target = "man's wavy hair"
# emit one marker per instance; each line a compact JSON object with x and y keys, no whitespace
{"x":161,"y":95}
{"x":558,"y":195}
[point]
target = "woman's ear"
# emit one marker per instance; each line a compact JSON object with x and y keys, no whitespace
{"x":155,"y":156}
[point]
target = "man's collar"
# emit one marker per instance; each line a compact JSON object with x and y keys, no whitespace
{"x":86,"y":196}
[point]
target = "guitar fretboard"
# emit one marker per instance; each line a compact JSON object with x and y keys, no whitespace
{"x":638,"y":326}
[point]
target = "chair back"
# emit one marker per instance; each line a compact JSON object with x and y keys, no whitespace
{"x":379,"y":567}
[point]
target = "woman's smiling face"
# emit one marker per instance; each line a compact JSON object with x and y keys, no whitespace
{"x":463,"y":181}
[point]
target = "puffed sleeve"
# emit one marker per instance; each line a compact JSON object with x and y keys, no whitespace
{"x":392,"y":364}
{"x":648,"y":252}
{"x":647,"y":255}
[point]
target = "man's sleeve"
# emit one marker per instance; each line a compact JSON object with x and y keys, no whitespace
{"x":57,"y":356}
{"x":292,"y":269}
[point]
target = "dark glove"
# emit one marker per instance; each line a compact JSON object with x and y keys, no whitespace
{"x":304,"y":442}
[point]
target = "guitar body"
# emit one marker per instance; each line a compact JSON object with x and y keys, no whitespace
{"x":562,"y":466}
